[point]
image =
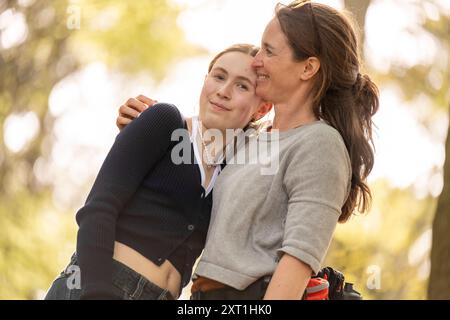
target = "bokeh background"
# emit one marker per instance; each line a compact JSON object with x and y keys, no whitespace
{"x":67,"y":65}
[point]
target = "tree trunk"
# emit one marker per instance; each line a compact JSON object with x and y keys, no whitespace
{"x":359,"y":10}
{"x":439,"y":281}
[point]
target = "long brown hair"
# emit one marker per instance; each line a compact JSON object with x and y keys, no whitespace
{"x":344,"y":98}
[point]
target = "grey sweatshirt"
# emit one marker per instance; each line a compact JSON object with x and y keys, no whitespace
{"x":259,"y":214}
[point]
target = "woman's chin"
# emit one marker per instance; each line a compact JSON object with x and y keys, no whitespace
{"x":261,"y":92}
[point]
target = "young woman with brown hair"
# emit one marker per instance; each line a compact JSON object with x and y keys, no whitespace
{"x":145,"y":220}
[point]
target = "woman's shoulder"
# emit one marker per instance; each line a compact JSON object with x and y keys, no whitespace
{"x":319,"y":140}
{"x":321,"y":132}
{"x":320,"y":146}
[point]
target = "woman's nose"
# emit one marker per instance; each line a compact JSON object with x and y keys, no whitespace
{"x":257,"y":62}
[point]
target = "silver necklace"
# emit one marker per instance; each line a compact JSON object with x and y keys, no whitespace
{"x":209,"y":162}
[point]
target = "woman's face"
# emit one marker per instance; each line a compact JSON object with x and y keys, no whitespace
{"x":228,"y":99}
{"x":277,"y":71}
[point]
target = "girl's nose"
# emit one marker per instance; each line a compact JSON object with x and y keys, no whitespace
{"x":224,"y":92}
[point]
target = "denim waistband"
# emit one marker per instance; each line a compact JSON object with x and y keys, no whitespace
{"x":133,"y":283}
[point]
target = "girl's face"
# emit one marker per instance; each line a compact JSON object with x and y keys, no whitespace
{"x":228,"y":99}
{"x":277,"y":71}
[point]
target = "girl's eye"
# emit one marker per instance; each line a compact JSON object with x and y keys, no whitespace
{"x":268,"y":51}
{"x":219,"y":77}
{"x":242,"y":86}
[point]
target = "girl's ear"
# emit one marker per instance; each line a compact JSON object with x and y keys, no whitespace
{"x":310,"y":68}
{"x":262,"y":110}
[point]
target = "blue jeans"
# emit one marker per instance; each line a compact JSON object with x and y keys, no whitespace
{"x":127,"y":285}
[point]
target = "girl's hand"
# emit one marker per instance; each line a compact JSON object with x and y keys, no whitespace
{"x":132,"y":109}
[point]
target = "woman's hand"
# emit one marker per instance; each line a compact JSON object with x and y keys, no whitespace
{"x":132,"y":109}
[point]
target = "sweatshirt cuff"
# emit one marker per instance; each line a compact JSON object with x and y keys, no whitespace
{"x":301,"y":255}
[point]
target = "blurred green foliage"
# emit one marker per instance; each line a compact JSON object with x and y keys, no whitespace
{"x":429,"y":83}
{"x":133,"y":36}
{"x":404,"y":219}
{"x":35,"y":242}
{"x":36,"y":239}
{"x":373,"y":250}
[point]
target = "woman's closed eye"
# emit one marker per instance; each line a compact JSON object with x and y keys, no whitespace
{"x":219,"y":76}
{"x":269,"y":52}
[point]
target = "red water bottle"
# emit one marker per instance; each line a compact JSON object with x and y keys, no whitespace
{"x":317,"y":289}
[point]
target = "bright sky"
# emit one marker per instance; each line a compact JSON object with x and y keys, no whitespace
{"x":87,"y":102}
{"x":219,"y":23}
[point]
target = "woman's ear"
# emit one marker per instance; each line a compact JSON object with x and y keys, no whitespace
{"x":310,"y":68}
{"x":262,"y":110}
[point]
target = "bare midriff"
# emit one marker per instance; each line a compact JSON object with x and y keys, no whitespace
{"x":165,"y":276}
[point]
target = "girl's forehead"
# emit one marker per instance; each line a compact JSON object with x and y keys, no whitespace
{"x":237,"y":62}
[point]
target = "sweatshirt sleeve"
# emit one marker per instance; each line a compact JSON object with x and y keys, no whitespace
{"x":137,"y":148}
{"x":317,"y":179}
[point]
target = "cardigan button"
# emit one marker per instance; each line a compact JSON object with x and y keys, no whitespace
{"x":191,"y":227}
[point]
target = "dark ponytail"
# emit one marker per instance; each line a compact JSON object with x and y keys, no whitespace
{"x":344,"y":98}
{"x":350,"y":111}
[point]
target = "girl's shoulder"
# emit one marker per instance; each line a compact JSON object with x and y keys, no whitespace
{"x":163,"y":114}
{"x":163,"y":109}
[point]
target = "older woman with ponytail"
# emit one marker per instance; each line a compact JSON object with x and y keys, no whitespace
{"x":269,"y":233}
{"x":267,"y":241}
{"x":343,"y":97}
